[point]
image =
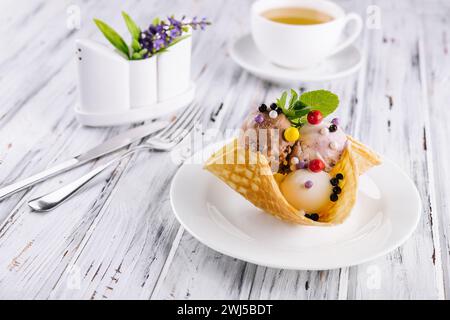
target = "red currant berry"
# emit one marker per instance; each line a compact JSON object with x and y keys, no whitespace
{"x":315,"y":117}
{"x":316,"y":165}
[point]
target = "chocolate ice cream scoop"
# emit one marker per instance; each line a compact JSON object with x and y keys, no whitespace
{"x":324,"y":141}
{"x":265,"y":134}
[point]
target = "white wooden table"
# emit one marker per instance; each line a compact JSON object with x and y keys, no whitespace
{"x":119,"y":238}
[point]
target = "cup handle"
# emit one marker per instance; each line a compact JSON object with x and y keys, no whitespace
{"x":356,"y":32}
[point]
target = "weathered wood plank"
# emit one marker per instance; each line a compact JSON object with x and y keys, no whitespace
{"x":391,"y":119}
{"x":436,"y":69}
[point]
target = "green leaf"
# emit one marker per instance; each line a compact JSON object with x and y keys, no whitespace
{"x":281,"y":102}
{"x":134,"y":29}
{"x":293,"y":99}
{"x":322,"y":100}
{"x":113,"y":37}
{"x":298,"y":105}
{"x":136,"y":56}
{"x":176,"y":41}
{"x":289,"y":113}
{"x":136,"y":45}
{"x":301,"y":113}
{"x":143,"y":52}
{"x":161,"y":51}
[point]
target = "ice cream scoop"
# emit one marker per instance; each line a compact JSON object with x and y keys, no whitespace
{"x":271,"y":141}
{"x":324,"y":141}
{"x":306,"y":190}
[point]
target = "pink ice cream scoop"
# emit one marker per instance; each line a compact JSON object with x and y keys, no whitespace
{"x":325,"y":141}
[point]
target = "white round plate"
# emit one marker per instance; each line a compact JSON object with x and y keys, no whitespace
{"x":245,"y":53}
{"x":386,"y":213}
{"x":137,"y":114}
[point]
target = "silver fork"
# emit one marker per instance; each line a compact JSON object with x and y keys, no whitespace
{"x":166,"y":140}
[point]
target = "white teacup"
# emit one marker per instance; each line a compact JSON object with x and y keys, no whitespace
{"x":300,"y":46}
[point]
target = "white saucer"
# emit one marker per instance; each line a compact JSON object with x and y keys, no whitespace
{"x":386,"y":213}
{"x":245,"y":53}
{"x":138,"y":114}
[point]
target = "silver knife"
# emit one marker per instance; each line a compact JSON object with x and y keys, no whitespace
{"x":122,"y":140}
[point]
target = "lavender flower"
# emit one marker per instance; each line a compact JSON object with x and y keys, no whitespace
{"x":162,"y":34}
{"x":158,"y":44}
{"x":175,"y":32}
{"x":174,"y":22}
{"x":195,"y":24}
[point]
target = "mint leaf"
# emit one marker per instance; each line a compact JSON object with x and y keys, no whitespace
{"x":301,"y":113}
{"x":322,"y":100}
{"x":113,"y":37}
{"x":281,"y":102}
{"x":299,"y":106}
{"x":294,"y":97}
{"x":132,"y":26}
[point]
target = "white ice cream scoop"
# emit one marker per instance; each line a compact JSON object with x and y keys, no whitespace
{"x":306,"y":190}
{"x":319,"y":142}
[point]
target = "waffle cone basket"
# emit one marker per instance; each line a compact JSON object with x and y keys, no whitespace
{"x":249,"y":174}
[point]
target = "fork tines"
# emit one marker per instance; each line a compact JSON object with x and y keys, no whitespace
{"x":183,"y":125}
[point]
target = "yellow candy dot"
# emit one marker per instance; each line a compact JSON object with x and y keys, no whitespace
{"x":291,"y":134}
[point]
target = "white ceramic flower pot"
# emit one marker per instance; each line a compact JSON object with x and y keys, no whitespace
{"x":114,"y":90}
{"x":174,"y":70}
{"x":103,"y":75}
{"x":108,"y":83}
{"x":143,"y":86}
